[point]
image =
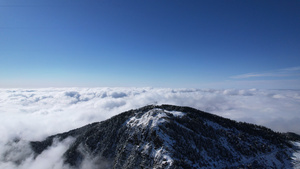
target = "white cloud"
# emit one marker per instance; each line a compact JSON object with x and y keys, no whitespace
{"x":35,"y":114}
{"x":18,"y":155}
{"x":292,"y":71}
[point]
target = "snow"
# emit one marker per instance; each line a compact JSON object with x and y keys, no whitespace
{"x":162,"y":155}
{"x":152,"y":118}
{"x":296,"y":156}
{"x":150,"y":121}
{"x":176,"y":113}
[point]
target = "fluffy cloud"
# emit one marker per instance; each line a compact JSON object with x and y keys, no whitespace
{"x":35,"y":114}
{"x":18,"y":155}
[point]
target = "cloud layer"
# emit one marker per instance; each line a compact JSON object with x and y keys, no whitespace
{"x":38,"y":113}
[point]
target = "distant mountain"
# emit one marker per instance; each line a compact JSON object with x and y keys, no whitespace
{"x":169,"y":136}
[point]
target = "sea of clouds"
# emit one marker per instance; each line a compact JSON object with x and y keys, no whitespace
{"x":37,"y":113}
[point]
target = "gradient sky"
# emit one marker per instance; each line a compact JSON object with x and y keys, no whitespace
{"x":189,"y":44}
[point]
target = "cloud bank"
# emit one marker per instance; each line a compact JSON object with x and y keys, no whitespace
{"x":37,"y":113}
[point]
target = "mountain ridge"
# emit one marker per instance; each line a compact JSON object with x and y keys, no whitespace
{"x":169,"y":136}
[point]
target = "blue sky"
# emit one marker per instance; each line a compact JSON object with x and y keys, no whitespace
{"x":188,"y":44}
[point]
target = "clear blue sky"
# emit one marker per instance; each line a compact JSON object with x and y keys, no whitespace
{"x":94,"y":43}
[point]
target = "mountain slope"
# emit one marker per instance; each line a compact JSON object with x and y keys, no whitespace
{"x":174,"y":137}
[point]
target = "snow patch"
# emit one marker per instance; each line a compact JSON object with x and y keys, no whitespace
{"x":151,"y":118}
{"x":150,"y":121}
{"x":160,"y":154}
{"x":296,"y":156}
{"x":176,"y":113}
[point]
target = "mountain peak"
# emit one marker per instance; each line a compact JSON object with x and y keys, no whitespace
{"x":169,"y":136}
{"x":152,"y":118}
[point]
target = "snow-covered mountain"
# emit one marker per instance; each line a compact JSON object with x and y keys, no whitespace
{"x":169,"y":136}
